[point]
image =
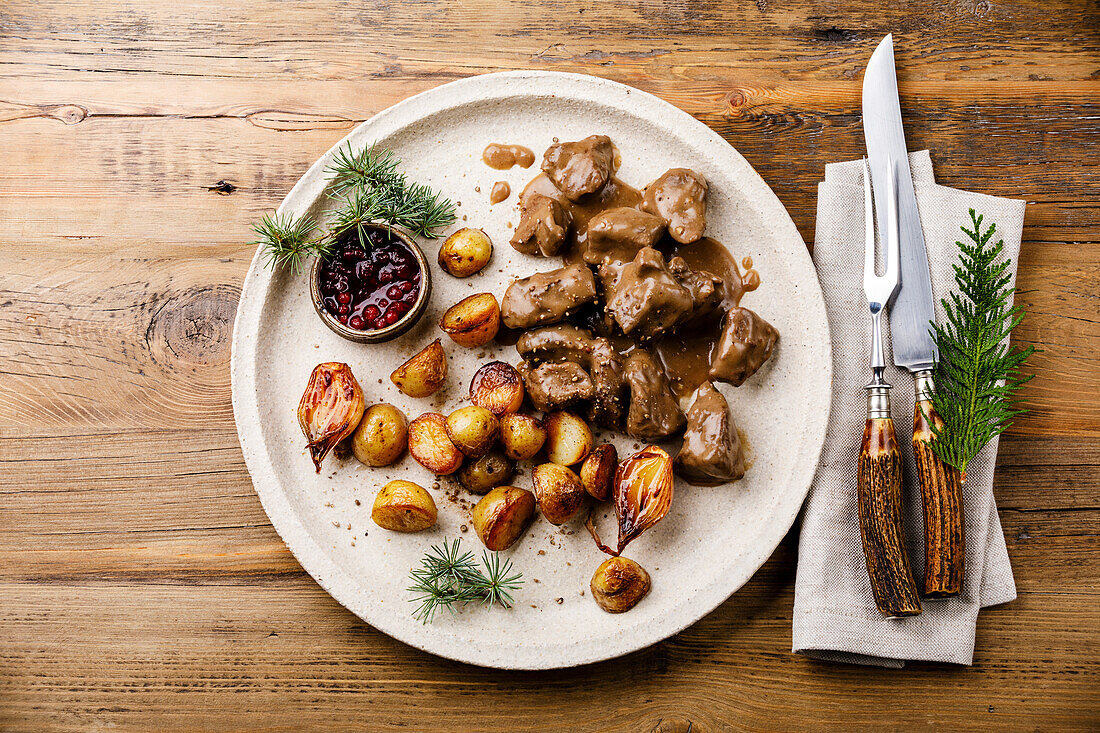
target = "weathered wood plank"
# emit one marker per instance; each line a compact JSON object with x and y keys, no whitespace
{"x":143,"y":587}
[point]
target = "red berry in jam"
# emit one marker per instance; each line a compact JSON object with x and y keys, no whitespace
{"x":372,"y":288}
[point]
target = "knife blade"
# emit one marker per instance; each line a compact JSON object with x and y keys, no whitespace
{"x":911,"y":315}
{"x":913,"y":308}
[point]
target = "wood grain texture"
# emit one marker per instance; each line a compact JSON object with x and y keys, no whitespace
{"x":142,"y":586}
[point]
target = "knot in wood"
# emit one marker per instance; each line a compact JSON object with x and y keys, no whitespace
{"x":193,"y":328}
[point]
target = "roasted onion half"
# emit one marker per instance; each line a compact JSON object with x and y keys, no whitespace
{"x":331,"y":408}
{"x":642,"y":493}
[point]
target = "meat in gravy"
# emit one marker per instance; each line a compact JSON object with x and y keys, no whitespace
{"x":645,"y":313}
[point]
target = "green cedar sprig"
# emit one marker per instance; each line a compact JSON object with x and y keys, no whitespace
{"x":977,"y":375}
{"x":449,"y":578}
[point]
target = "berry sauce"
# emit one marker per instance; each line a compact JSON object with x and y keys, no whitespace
{"x":369,"y":290}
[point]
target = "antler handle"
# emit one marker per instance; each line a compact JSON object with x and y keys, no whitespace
{"x":879,"y":486}
{"x":941,"y":491}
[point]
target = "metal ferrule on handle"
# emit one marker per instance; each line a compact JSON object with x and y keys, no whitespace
{"x":879,"y":473}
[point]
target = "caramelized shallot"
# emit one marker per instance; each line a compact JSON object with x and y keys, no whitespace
{"x":331,"y":408}
{"x":643,"y":495}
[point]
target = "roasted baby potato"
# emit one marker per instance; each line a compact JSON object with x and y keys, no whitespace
{"x":568,"y":439}
{"x":473,"y":321}
{"x":619,"y":584}
{"x":403,"y":506}
{"x":559,"y":491}
{"x":521,"y":435}
{"x":430,"y":445}
{"x":487,"y":472}
{"x":473,"y":429}
{"x":382,"y":435}
{"x":423,"y":374}
{"x":598,"y":471}
{"x":466,"y":252}
{"x":497,"y":387}
{"x":502,"y":515}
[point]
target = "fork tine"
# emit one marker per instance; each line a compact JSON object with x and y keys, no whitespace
{"x":869,"y":225}
{"x":893,"y":236}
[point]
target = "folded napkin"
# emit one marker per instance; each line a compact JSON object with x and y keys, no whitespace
{"x":834,"y":610}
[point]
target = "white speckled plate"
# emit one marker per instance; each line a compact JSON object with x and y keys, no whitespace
{"x":712,"y":540}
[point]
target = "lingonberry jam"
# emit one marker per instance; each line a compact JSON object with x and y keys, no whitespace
{"x":372,"y":288}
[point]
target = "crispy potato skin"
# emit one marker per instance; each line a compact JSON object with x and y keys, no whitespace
{"x":568,"y":438}
{"x":430,"y":445}
{"x":382,"y":435}
{"x":619,"y":584}
{"x":598,"y":471}
{"x":472,"y":321}
{"x":424,"y":373}
{"x":559,"y":491}
{"x":521,"y":435}
{"x":497,"y":387}
{"x":486,"y":472}
{"x":473,"y":429}
{"x":402,"y":506}
{"x":502,"y":515}
{"x":466,"y":252}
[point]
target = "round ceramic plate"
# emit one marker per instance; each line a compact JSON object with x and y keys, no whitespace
{"x":712,"y":540}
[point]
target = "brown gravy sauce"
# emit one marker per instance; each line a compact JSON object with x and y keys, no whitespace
{"x":686,"y":353}
{"x":500,"y":191}
{"x":502,"y":157}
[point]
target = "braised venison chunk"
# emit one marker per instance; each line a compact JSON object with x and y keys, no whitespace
{"x":543,"y":226}
{"x":707,"y":290}
{"x":582,"y":167}
{"x":547,"y":297}
{"x":555,"y":386}
{"x":617,"y":234}
{"x":746,"y":343}
{"x":567,"y":343}
{"x":711,"y":453}
{"x":646,"y":299}
{"x":679,"y":197}
{"x":654,"y":412}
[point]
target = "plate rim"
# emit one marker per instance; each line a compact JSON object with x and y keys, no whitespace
{"x":337,"y":581}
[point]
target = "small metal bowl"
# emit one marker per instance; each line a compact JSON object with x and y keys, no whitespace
{"x":406,"y":322}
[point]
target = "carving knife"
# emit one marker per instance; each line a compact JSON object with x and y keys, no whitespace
{"x":911,"y":315}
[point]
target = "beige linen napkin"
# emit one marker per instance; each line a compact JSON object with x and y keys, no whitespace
{"x":834,"y":610}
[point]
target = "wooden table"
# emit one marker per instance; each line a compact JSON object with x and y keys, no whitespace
{"x":141,"y":584}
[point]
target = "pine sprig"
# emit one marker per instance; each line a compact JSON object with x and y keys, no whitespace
{"x":288,"y":240}
{"x":372,"y":167}
{"x":370,"y":189}
{"x":449,"y":578}
{"x":977,"y":375}
{"x":371,"y":186}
